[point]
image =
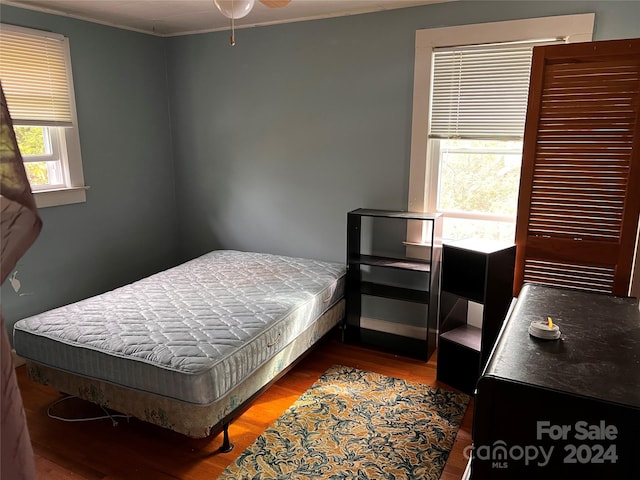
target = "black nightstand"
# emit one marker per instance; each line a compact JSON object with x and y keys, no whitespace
{"x":478,"y":271}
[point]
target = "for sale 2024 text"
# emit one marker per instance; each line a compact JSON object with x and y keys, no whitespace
{"x":582,"y":443}
{"x":582,"y":431}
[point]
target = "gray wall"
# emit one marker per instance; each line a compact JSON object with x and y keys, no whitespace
{"x":268,"y":143}
{"x":275,"y":139}
{"x":127,"y":227}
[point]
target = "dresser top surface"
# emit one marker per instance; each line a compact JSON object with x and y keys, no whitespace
{"x":597,"y":356}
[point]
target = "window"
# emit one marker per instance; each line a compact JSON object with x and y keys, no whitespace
{"x":35,"y":70}
{"x":40,"y":149}
{"x":477,"y":186}
{"x":470,"y":96}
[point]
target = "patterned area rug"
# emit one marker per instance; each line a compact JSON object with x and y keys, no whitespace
{"x":353,"y":424}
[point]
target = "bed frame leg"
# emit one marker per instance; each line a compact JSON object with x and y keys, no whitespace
{"x":226,"y":446}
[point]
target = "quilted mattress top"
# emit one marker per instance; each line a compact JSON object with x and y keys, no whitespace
{"x":188,"y":318}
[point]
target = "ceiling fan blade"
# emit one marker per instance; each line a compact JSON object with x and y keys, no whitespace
{"x":275,"y":3}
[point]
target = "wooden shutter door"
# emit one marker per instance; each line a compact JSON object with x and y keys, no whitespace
{"x":579,"y":197}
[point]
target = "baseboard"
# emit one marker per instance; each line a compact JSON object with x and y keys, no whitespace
{"x":467,"y":471}
{"x":17,"y":359}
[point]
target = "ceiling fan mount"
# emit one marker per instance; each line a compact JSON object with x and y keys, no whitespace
{"x":235,"y":9}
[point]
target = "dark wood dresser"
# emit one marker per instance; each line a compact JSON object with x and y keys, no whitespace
{"x":566,"y":408}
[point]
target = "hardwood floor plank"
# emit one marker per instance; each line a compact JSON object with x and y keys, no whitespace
{"x":136,"y":450}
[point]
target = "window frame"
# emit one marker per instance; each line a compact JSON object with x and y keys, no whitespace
{"x":423,"y":168}
{"x":74,"y":190}
{"x":53,"y":141}
{"x":435,"y":152}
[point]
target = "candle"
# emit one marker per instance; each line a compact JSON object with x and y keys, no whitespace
{"x":546,"y":330}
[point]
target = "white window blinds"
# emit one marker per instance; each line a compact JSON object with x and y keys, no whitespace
{"x":480,"y":91}
{"x":35,"y":77}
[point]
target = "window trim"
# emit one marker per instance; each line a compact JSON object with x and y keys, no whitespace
{"x":71,"y":158}
{"x":422,"y":169}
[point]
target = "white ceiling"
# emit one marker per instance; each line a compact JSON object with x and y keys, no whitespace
{"x":176,"y":17}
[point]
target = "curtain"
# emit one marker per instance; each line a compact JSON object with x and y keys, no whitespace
{"x":19,"y":227}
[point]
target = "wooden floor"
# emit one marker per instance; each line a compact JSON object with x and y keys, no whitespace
{"x":136,"y":450}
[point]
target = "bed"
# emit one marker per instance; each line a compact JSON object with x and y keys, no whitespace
{"x":187,"y":348}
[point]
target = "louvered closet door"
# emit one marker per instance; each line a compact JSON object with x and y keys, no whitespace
{"x":579,"y":195}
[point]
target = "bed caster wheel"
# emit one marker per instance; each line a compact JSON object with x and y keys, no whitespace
{"x":226,"y":448}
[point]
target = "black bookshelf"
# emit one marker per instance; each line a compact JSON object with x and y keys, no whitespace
{"x":426,"y":269}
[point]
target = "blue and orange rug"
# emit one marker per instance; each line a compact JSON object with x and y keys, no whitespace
{"x":354,"y":424}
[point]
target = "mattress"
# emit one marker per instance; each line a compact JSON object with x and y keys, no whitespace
{"x":196,"y":421}
{"x":190,"y":333}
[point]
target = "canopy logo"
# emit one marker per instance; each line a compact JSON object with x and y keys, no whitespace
{"x":592,"y":449}
{"x":499,"y":454}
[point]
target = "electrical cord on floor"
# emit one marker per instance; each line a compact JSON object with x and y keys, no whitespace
{"x":108,"y":415}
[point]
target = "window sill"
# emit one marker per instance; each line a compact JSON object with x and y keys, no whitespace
{"x":63,"y":196}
